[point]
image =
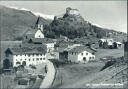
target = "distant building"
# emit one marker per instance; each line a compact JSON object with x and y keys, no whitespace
{"x":117,"y":44}
{"x":39,"y":32}
{"x":109,"y":43}
{"x":70,"y":11}
{"x":81,"y":54}
{"x":26,"y":55}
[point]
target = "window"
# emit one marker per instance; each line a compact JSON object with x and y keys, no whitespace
{"x":84,"y":59}
{"x":72,"y":53}
{"x":37,"y":59}
{"x":29,"y":55}
{"x":93,"y":53}
{"x":86,"y":53}
{"x":33,"y":59}
{"x":81,"y":53}
{"x":29,"y":59}
{"x":20,"y":59}
{"x":90,"y":57}
{"x":25,"y":59}
{"x":43,"y":58}
{"x":40,"y":58}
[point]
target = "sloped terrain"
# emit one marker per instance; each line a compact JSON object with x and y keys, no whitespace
{"x":86,"y":75}
{"x":13,"y":23}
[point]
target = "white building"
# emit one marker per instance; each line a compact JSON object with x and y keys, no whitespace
{"x":119,"y":44}
{"x":109,"y":40}
{"x":27,"y":55}
{"x":81,"y":54}
{"x":39,"y":32}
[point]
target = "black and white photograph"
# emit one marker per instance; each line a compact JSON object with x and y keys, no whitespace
{"x":63,"y":44}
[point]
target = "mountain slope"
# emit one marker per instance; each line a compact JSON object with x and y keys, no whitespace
{"x":13,"y":23}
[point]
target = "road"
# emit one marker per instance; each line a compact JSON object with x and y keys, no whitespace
{"x":47,"y":82}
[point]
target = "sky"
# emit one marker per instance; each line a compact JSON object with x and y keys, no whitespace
{"x":107,"y":14}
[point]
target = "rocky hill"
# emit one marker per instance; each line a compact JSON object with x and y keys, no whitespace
{"x":73,"y":25}
{"x":13,"y":23}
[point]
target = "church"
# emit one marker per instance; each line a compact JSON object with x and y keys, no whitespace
{"x":35,"y":32}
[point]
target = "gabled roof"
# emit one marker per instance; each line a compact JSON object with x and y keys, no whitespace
{"x":80,"y":49}
{"x":42,"y":40}
{"x":28,"y":49}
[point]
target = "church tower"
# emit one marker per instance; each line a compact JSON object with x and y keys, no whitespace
{"x":39,"y":27}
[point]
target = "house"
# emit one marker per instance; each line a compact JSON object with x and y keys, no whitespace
{"x":117,"y":45}
{"x":26,"y":54}
{"x":109,"y":43}
{"x":81,"y":54}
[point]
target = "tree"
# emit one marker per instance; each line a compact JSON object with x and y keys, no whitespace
{"x":6,"y":64}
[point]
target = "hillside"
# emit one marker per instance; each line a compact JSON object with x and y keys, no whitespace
{"x":15,"y":22}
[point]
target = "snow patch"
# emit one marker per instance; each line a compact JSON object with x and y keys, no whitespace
{"x":44,"y":15}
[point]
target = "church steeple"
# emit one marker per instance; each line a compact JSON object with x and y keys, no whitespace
{"x":38,"y":25}
{"x":37,"y":22}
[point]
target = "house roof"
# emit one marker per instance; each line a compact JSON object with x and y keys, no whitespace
{"x":42,"y":40}
{"x":28,"y":49}
{"x":118,"y":42}
{"x":80,"y":49}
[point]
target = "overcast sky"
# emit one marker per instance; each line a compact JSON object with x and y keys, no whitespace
{"x":108,"y":14}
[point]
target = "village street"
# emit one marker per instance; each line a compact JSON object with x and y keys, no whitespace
{"x":46,"y":83}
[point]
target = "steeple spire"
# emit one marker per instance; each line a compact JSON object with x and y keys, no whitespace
{"x":37,"y":22}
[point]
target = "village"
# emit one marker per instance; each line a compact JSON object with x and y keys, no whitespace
{"x":34,"y":61}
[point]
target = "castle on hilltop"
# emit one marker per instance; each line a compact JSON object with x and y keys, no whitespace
{"x":70,"y":11}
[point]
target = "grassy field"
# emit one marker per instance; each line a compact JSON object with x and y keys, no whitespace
{"x":70,"y":74}
{"x":109,"y":52}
